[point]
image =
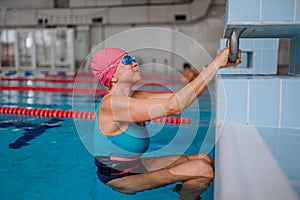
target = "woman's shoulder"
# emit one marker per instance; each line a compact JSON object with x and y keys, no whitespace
{"x":105,"y":101}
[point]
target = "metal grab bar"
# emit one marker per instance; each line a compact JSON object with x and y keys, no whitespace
{"x":233,"y":43}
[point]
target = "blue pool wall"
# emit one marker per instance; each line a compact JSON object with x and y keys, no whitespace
{"x":258,"y":127}
{"x":257,"y":110}
{"x":263,"y":11}
{"x":267,"y":19}
{"x":259,"y":56}
{"x":269,"y":101}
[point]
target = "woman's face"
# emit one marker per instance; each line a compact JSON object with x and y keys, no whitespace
{"x":128,"y":70}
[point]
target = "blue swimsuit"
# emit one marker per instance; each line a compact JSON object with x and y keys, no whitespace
{"x":131,"y":143}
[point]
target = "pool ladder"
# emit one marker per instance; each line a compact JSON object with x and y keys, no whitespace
{"x":233,"y":43}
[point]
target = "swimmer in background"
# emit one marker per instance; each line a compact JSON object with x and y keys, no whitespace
{"x":121,"y":138}
{"x":189,"y":73}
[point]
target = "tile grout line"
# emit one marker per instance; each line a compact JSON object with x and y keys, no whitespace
{"x":279,"y":120}
{"x":280,"y":104}
{"x":262,"y":50}
{"x":260,"y":11}
{"x":295,"y":10}
{"x":248,"y":101}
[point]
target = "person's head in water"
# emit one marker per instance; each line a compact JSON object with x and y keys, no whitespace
{"x":186,"y":66}
{"x":113,"y":65}
{"x":189,"y":73}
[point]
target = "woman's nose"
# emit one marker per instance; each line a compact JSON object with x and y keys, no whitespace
{"x":134,"y":64}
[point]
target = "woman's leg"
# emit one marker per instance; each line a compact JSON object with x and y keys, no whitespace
{"x":195,"y":173}
{"x":191,"y":189}
{"x":156,"y":163}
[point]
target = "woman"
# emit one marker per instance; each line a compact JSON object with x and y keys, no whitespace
{"x":120,"y":135}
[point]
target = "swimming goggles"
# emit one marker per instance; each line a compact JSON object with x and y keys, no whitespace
{"x":127,"y":60}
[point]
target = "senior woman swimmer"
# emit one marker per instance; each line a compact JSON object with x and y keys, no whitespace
{"x":121,"y":137}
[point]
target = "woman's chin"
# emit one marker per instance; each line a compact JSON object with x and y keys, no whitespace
{"x":138,"y":77}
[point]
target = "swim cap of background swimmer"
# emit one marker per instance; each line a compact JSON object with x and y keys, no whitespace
{"x":105,"y":63}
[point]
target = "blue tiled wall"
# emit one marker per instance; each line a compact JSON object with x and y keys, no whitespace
{"x":294,"y":67}
{"x":267,"y":101}
{"x":290,"y":103}
{"x":263,"y":60}
{"x":228,"y":91}
{"x":262,"y":10}
{"x":277,"y":10}
{"x":264,"y":96}
{"x":250,"y":10}
{"x":263,"y":18}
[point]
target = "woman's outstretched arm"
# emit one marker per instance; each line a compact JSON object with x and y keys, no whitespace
{"x":184,"y":97}
{"x":132,"y":109}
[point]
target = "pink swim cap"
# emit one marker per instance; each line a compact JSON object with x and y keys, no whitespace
{"x":105,"y":64}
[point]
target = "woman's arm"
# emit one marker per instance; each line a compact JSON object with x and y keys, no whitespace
{"x":132,"y":109}
{"x":184,"y":97}
{"x":140,"y":94}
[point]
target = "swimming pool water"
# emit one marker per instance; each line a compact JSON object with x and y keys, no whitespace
{"x":45,"y":158}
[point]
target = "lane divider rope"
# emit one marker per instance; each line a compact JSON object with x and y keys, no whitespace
{"x":54,"y":89}
{"x":61,"y":89}
{"x":47,"y":112}
{"x":78,"y":114}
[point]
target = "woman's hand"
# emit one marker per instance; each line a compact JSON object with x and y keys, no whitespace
{"x":223,"y":58}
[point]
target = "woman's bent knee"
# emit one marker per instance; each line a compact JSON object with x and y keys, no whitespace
{"x":201,"y":156}
{"x":195,"y":168}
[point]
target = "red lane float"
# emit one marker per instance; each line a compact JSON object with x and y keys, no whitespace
{"x":78,"y":114}
{"x":172,"y":120}
{"x":47,"y":112}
